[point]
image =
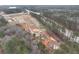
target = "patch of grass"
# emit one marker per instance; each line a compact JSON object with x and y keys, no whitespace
{"x":68,"y":47}
{"x":2,"y":34}
{"x":17,"y":46}
{"x":76,"y":33}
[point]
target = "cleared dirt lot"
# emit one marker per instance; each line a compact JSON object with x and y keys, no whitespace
{"x":31,"y":24}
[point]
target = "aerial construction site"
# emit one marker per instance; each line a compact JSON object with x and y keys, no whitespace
{"x":34,"y":30}
{"x":30,"y":24}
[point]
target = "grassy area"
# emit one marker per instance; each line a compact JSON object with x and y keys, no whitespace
{"x":76,"y":33}
{"x":67,"y":48}
{"x":16,"y":46}
{"x":1,"y":34}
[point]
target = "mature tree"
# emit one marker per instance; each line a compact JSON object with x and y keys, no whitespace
{"x":2,"y":21}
